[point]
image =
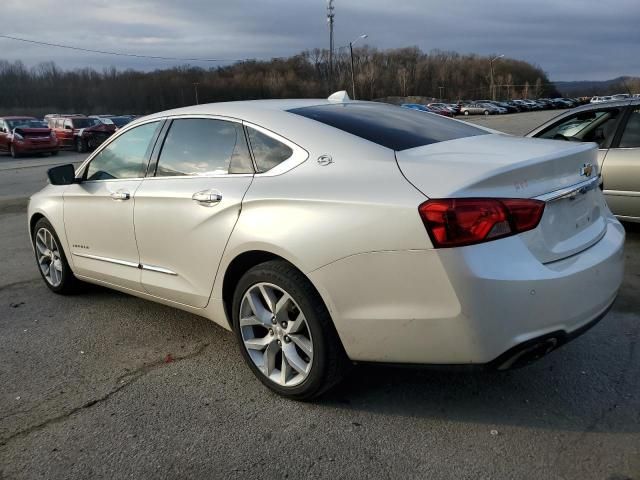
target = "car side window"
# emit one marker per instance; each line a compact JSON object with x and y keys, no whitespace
{"x":198,"y":146}
{"x":267,"y":151}
{"x":590,"y":126}
{"x":631,"y":135}
{"x":125,"y":157}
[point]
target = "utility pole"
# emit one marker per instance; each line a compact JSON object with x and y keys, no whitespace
{"x":353,"y":75}
{"x":330,"y":16}
{"x":441,"y":89}
{"x":195,"y":86}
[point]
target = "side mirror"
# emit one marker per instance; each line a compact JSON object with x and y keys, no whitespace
{"x":62,"y":175}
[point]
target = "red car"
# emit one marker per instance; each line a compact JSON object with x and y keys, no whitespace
{"x":79,"y":132}
{"x":26,"y":135}
{"x":441,"y":109}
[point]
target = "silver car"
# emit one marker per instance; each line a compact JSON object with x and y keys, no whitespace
{"x":327,"y":231}
{"x":615,"y":127}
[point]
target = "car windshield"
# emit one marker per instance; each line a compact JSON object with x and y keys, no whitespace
{"x":388,"y":125}
{"x":85,"y":122}
{"x":25,"y":123}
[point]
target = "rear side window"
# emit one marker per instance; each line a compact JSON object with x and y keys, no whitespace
{"x":388,"y":125}
{"x":197,"y":147}
{"x":267,"y":151}
{"x":126,"y":156}
{"x":631,"y":135}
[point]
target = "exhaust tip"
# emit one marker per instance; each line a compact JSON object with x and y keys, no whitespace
{"x":530,"y":353}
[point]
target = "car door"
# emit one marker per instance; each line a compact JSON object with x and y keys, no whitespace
{"x":98,"y":211}
{"x":621,"y":169}
{"x":186,"y":209}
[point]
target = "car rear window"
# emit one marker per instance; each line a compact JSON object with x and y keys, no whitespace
{"x":393,"y":127}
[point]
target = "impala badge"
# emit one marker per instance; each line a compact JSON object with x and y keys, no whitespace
{"x":586,"y":170}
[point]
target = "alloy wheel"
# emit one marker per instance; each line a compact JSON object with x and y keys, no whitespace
{"x":49,"y":257}
{"x":276,"y":334}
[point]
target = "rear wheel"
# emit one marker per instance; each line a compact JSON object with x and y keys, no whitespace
{"x":486,"y":112}
{"x":81,"y":145}
{"x":51,"y":260}
{"x":466,"y":112}
{"x":54,"y":153}
{"x":285,"y":332}
{"x":13,"y":152}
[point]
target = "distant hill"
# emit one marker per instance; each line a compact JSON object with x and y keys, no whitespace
{"x":602,"y":87}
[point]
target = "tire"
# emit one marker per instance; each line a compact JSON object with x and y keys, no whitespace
{"x":81,"y":145}
{"x":466,"y":112}
{"x":55,"y":153}
{"x":47,"y":243}
{"x":12,"y":151}
{"x":303,"y":316}
{"x":486,"y":112}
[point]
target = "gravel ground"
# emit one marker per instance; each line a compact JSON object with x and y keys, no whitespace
{"x":88,"y":391}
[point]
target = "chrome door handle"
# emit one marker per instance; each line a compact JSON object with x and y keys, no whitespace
{"x":207,"y":197}
{"x":120,"y":195}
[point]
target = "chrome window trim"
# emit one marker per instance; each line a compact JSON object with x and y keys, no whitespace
{"x":299,"y":155}
{"x":107,"y":142}
{"x":570,"y":191}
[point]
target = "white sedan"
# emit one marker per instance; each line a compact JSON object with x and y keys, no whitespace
{"x":327,"y":232}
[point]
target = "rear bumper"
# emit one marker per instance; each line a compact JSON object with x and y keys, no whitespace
{"x":27,"y":147}
{"x":471,"y":305}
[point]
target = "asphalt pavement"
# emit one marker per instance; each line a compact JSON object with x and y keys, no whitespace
{"x":104,"y":385}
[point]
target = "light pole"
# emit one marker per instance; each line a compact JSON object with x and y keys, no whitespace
{"x":353,"y":76}
{"x":441,"y":89}
{"x":493,"y":90}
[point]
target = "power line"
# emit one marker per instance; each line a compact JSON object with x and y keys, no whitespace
{"x":119,"y":54}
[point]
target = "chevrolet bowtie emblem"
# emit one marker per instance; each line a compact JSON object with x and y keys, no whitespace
{"x":586,"y":170}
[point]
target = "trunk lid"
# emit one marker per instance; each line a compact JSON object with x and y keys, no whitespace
{"x":501,"y":166}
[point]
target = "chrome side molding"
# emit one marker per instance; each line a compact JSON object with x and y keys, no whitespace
{"x":141,"y":266}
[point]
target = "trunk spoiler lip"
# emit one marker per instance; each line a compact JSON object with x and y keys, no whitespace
{"x":571,"y":191}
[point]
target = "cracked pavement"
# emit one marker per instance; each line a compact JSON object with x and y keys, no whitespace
{"x":103,"y":385}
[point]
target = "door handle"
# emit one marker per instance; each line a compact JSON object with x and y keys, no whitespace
{"x":120,"y":195}
{"x":207,"y":197}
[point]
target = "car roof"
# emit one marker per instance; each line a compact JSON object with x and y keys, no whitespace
{"x":18,"y":118}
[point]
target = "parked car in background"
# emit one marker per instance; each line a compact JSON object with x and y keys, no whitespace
{"x":80,"y":133}
{"x":325,"y":231}
{"x":615,"y":127}
{"x":118,"y":120}
{"x":26,"y":136}
{"x":418,"y":106}
{"x":479,"y":109}
{"x":442,"y":109}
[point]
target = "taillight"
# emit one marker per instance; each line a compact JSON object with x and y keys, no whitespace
{"x":454,"y":222}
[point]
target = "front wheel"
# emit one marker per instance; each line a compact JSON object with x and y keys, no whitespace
{"x":466,"y":112}
{"x":285,"y":332}
{"x":13,"y":151}
{"x":51,"y":260}
{"x":486,"y":112}
{"x":54,"y":153}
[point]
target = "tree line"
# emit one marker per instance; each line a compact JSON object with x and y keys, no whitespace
{"x":46,"y":88}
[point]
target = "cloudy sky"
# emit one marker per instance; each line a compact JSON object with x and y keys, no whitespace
{"x":569,"y":39}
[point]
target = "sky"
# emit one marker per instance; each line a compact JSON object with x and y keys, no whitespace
{"x":569,"y":39}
